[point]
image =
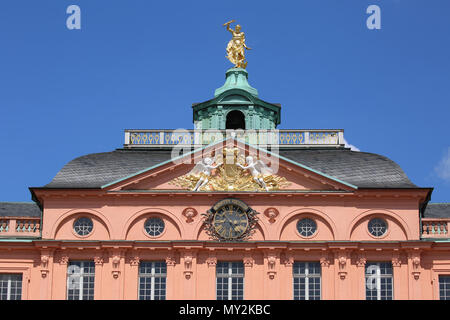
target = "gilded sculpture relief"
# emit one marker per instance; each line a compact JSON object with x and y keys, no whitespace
{"x":233,"y":172}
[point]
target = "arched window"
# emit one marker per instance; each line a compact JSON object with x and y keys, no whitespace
{"x":235,"y":120}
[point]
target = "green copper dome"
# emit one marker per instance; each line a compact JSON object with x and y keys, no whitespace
{"x":236,"y":106}
{"x":236,"y":78}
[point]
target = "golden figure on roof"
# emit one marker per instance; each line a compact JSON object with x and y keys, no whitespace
{"x":236,"y":46}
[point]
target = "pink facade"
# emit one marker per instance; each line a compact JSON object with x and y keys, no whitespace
{"x":118,"y":241}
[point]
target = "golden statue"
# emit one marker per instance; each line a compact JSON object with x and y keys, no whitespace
{"x":235,"y":47}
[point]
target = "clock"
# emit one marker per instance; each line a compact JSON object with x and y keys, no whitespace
{"x":230,"y":220}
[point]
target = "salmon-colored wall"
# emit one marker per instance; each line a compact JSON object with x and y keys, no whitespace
{"x":123,"y":218}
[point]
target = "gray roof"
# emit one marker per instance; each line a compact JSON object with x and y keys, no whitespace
{"x":365,"y":170}
{"x":437,"y":210}
{"x":362,"y":169}
{"x":19,"y":209}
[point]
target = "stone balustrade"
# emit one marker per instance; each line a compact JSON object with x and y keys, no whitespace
{"x":435,"y":228}
{"x":19,"y":227}
{"x":282,"y":138}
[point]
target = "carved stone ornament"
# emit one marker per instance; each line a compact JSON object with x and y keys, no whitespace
{"x":271,"y":261}
{"x":361,"y":260}
{"x":134,"y":261}
{"x":289,"y":261}
{"x":324,"y":262}
{"x":188,"y":259}
{"x":272,"y":214}
{"x":63,"y":260}
{"x":416,"y":265}
{"x":115,"y":264}
{"x":170,"y":259}
{"x":248,"y":262}
{"x":44,"y":265}
{"x":189,"y":214}
{"x":396,"y":261}
{"x":98,"y":260}
{"x":230,"y":173}
{"x":342,"y":261}
{"x":211,"y":261}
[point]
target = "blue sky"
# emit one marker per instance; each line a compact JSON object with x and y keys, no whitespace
{"x":141,"y":64}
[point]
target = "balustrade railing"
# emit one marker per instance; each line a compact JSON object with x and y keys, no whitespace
{"x":285,"y":138}
{"x":4,"y":225}
{"x":435,"y":228}
{"x":20,"y":227}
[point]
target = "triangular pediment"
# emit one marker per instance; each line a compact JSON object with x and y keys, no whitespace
{"x":230,"y":170}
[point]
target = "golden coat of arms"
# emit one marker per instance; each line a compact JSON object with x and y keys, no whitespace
{"x":231,"y":172}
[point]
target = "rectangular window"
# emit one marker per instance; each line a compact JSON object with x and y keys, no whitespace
{"x":10,"y":286}
{"x":379,"y":281}
{"x":230,"y":281}
{"x":80,"y":280}
{"x":306,"y":280}
{"x":444,"y":287}
{"x":152,"y":280}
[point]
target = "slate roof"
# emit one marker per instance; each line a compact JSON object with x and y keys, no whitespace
{"x":365,"y":170}
{"x":437,"y":210}
{"x":362,"y":169}
{"x":19,"y":209}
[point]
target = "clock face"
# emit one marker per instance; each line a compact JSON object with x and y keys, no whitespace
{"x":230,"y":221}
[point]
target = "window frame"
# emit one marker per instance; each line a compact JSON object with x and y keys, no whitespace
{"x":79,"y":218}
{"x":440,"y":270}
{"x":8,"y":287}
{"x":229,"y":275}
{"x":307,"y":276}
{"x":316,"y":227}
{"x":82,"y":276}
{"x":153,"y":275}
{"x":386,"y":231}
{"x":164,"y":227}
{"x":25,"y":271}
{"x":378,"y":277}
{"x":447,"y":297}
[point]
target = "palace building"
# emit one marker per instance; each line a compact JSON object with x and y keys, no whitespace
{"x":232,"y":209}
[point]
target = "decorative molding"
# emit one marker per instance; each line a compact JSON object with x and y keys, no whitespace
{"x":63,"y":260}
{"x":361,"y":259}
{"x":211,"y":261}
{"x":414,"y":256}
{"x":189,"y":214}
{"x":396,"y":260}
{"x":170,"y":259}
{"x":271,"y":262}
{"x":342,"y":262}
{"x":188,"y":260}
{"x":248,"y":262}
{"x":325,"y":262}
{"x":98,"y":260}
{"x":288,"y":260}
{"x":271,"y":214}
{"x":134,"y":260}
{"x":45,"y":257}
{"x":115,"y":260}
